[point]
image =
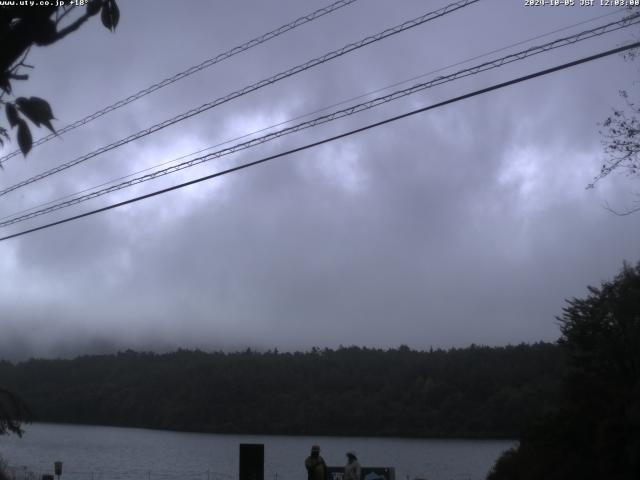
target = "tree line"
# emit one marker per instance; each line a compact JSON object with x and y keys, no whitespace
{"x":470,"y":392}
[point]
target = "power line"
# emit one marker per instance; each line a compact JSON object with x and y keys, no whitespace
{"x":238,"y":93}
{"x":331,"y":139}
{"x":587,"y":34}
{"x":462,"y":62}
{"x":298,"y":117}
{"x":190,"y":71}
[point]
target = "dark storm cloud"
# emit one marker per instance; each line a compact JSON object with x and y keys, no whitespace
{"x":466,"y":224}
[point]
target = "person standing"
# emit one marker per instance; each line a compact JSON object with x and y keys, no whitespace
{"x":316,"y":468}
{"x":352,"y":468}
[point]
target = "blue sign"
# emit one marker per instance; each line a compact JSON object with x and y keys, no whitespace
{"x":367,"y":473}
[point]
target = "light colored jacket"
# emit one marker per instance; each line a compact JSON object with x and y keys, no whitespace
{"x":352,"y":471}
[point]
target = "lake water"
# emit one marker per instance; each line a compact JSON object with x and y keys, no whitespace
{"x":111,"y":453}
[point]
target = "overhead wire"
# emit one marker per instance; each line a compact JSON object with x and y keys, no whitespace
{"x":518,"y":56}
{"x":333,"y":138}
{"x":190,"y":71}
{"x":298,"y":117}
{"x":452,"y":7}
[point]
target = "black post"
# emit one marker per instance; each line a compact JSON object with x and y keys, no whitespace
{"x":251,"y":461}
{"x":57,"y":468}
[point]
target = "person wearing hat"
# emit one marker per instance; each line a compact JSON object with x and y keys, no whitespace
{"x":316,"y":468}
{"x":352,"y":468}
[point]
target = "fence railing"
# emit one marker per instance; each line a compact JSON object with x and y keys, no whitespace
{"x":23,"y":473}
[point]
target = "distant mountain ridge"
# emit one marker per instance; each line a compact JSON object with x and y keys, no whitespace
{"x":468,"y":393}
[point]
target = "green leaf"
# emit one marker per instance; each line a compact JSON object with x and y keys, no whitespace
{"x":110,"y":15}
{"x":12,"y":114}
{"x":25,"y":141}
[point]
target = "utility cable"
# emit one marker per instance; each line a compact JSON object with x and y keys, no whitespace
{"x":251,"y":88}
{"x":298,"y":117}
{"x":587,"y":34}
{"x":333,"y":138}
{"x":190,"y":71}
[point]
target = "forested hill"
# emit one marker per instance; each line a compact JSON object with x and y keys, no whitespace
{"x":470,"y":392}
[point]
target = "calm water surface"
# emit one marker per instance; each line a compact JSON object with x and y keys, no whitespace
{"x":111,"y":453}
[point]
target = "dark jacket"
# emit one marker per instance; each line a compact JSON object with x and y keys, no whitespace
{"x":316,"y":468}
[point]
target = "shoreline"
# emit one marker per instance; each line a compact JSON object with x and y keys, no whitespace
{"x":262,"y":434}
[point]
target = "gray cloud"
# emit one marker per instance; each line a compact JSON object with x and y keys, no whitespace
{"x":466,"y":224}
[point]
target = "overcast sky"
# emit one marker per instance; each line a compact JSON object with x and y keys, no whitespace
{"x":466,"y":224}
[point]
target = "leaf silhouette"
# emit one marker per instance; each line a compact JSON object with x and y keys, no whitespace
{"x":5,"y":84}
{"x":12,"y":114}
{"x":110,"y":15}
{"x":93,"y":7}
{"x":25,"y":141}
{"x":37,"y":110}
{"x":43,"y":111}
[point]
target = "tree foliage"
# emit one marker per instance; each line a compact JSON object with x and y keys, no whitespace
{"x":471,"y":392}
{"x":13,"y":412}
{"x":621,"y":135}
{"x":4,"y":470}
{"x":21,"y":28}
{"x":621,"y":140}
{"x":596,"y":432}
